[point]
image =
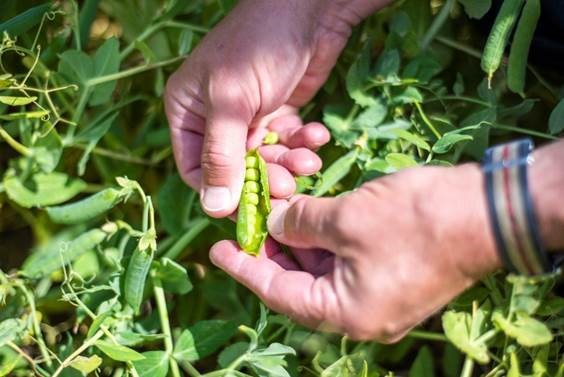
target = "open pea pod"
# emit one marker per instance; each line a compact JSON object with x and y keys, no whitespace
{"x":254,"y":205}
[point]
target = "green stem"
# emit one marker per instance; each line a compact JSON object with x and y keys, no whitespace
{"x":427,"y":121}
{"x":165,"y":324}
{"x":189,"y":368}
{"x":460,"y":47}
{"x":36,"y":327}
{"x":458,"y":98}
{"x":115,"y":155}
{"x":20,"y":148}
{"x":90,"y":342}
{"x":468,"y":367}
{"x":131,"y":71}
{"x":156,"y":27}
{"x":427,"y":335}
{"x":437,"y":24}
{"x":524,"y":131}
{"x":186,"y":238}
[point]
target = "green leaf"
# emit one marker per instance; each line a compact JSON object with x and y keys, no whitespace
{"x":231,"y":353}
{"x":76,"y":66}
{"x":154,"y":364}
{"x":173,"y":276}
{"x":476,"y":8}
{"x":556,"y":120}
{"x":48,"y":149}
{"x":42,"y":189}
{"x":339,"y":125}
{"x":414,"y":139}
{"x":185,"y":41}
{"x":51,"y":259}
{"x":457,"y":327}
{"x":334,"y":173}
{"x":372,"y":116}
{"x":203,"y":339}
{"x":25,"y":115}
{"x":9,"y":329}
{"x":174,"y":202}
{"x":270,"y":361}
{"x":423,"y":365}
{"x":86,"y":365}
{"x":118,"y":352}
{"x":400,"y":161}
{"x":448,"y":140}
{"x":24,"y":21}
{"x":91,"y":135}
{"x":388,"y":64}
{"x":528,"y":331}
{"x":357,"y":76}
{"x":16,"y":101}
{"x":106,"y":62}
{"x":409,"y":95}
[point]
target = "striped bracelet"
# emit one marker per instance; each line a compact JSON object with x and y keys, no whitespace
{"x":511,"y":210}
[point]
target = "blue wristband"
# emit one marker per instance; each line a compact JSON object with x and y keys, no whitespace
{"x":511,"y":210}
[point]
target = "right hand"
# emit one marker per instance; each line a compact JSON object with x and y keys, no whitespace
{"x":252,"y":71}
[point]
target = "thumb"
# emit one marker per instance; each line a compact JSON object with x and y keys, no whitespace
{"x":306,"y":222}
{"x":223,"y":163}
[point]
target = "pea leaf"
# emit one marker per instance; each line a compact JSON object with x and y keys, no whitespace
{"x":16,"y":101}
{"x":47,"y":150}
{"x":92,"y":135}
{"x":388,"y":65}
{"x":556,"y":120}
{"x":173,"y":276}
{"x":476,"y":8}
{"x":118,"y":352}
{"x":414,"y":139}
{"x":24,"y":21}
{"x":203,"y":339}
{"x":448,"y":140}
{"x":457,"y":327}
{"x":154,"y":364}
{"x":25,"y":115}
{"x":76,"y":66}
{"x":42,"y":189}
{"x":372,"y":116}
{"x":270,"y":361}
{"x":185,"y":41}
{"x":49,"y":260}
{"x":106,"y":62}
{"x":231,"y":353}
{"x":86,"y":365}
{"x":340,"y":126}
{"x":400,"y":161}
{"x":357,"y":76}
{"x":174,"y":202}
{"x":9,"y":329}
{"x":423,"y":365}
{"x":528,"y":331}
{"x":334,"y":173}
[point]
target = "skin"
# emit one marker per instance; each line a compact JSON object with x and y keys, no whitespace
{"x":373,"y":263}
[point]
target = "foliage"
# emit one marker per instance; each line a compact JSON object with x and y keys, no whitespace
{"x":99,"y":279}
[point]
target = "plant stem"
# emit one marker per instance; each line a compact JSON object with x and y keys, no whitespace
{"x":36,"y":328}
{"x":437,"y":24}
{"x":20,"y":148}
{"x":427,"y":121}
{"x":427,"y":335}
{"x":460,"y":47}
{"x":165,"y":324}
{"x":179,"y":246}
{"x":131,"y":71}
{"x":90,"y":342}
{"x":189,"y":368}
{"x":468,"y":367}
{"x":459,"y":98}
{"x":524,"y":131}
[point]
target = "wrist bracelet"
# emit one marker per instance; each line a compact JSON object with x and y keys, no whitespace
{"x":511,"y":209}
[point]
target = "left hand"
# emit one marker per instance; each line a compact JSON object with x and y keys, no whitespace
{"x":377,"y":261}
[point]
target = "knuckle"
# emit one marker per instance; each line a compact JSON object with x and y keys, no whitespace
{"x":216,"y":161}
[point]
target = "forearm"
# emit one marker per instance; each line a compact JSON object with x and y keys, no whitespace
{"x":546,"y":182}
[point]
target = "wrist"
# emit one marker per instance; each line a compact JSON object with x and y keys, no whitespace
{"x":546,"y":184}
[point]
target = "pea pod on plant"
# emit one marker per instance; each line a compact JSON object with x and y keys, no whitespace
{"x":518,"y":56}
{"x":88,"y":208}
{"x":136,"y":276}
{"x":254,"y":205}
{"x":499,"y":36}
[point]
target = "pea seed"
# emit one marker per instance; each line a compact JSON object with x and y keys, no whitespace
{"x":253,"y":198}
{"x":251,"y":186}
{"x":251,"y":162}
{"x":251,"y":175}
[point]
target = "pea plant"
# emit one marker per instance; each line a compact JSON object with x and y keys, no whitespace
{"x":104,"y":268}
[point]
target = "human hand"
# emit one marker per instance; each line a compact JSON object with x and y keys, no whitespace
{"x":253,"y":71}
{"x":377,"y":261}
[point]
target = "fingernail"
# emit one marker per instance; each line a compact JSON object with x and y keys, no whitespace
{"x":216,"y":198}
{"x":275,"y":220}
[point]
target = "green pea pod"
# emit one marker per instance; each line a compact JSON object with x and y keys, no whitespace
{"x":254,"y":205}
{"x":518,"y":56}
{"x":499,"y":36}
{"x":136,"y":276}
{"x":87,"y":208}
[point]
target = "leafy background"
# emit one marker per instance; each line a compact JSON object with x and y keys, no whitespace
{"x":81,"y":113}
